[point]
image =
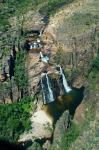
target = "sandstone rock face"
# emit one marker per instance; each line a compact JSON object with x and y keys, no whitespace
{"x":34,"y":70}
{"x":60,"y":128}
{"x":89,"y":136}
{"x":79,"y":116}
{"x":5,"y":89}
{"x":79,"y":50}
{"x":15,"y":91}
{"x":41,"y":127}
{"x":9,"y":92}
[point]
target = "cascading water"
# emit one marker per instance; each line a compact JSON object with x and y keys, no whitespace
{"x":44,"y":58}
{"x":51,"y":96}
{"x":65,"y":84}
{"x":44,"y":96}
{"x":48,"y":96}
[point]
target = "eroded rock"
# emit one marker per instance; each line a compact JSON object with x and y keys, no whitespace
{"x":60,"y":129}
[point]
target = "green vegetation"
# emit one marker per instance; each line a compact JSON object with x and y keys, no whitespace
{"x":66,"y":138}
{"x":70,"y":137}
{"x":95,"y":64}
{"x":14,"y":119}
{"x":4,"y":24}
{"x":34,"y":146}
{"x":20,"y":72}
{"x":20,"y":7}
{"x":51,"y":6}
{"x":95,"y":69}
{"x":94,"y":74}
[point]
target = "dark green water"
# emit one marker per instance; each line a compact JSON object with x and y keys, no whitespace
{"x":68,"y":101}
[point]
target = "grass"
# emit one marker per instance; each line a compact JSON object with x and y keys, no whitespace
{"x":82,"y":20}
{"x":67,"y":138}
{"x":52,"y":6}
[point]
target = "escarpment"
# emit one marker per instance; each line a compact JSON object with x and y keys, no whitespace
{"x":49,"y":75}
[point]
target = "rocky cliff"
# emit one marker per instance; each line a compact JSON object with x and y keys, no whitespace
{"x":70,"y":38}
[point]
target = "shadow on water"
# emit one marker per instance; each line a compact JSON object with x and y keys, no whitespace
{"x":6,"y":145}
{"x":69,"y":101}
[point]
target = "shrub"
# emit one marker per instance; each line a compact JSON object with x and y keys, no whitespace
{"x":14,"y":119}
{"x":70,"y":137}
{"x":20,"y":71}
{"x":95,"y":63}
{"x":60,"y":56}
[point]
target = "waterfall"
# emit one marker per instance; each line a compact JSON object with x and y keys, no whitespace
{"x":65,"y":84}
{"x":44,"y":97}
{"x":44,"y":58}
{"x":48,"y":96}
{"x":31,"y":46}
{"x":40,"y":33}
{"x":51,"y":96}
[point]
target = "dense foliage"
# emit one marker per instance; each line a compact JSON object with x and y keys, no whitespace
{"x":95,"y":63}
{"x":20,"y":72}
{"x":14,"y":119}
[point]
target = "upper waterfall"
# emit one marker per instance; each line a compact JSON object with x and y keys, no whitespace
{"x":44,"y":58}
{"x":65,"y":84}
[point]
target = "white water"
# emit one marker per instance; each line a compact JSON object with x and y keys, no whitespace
{"x":43,"y":91}
{"x":51,"y":96}
{"x":40,"y":33}
{"x":65,"y":84}
{"x":44,"y":58}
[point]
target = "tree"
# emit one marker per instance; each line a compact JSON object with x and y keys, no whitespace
{"x":14,"y":119}
{"x":20,"y":73}
{"x":95,"y":63}
{"x":60,"y":56}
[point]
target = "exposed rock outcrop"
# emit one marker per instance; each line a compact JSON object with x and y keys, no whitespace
{"x":60,"y":128}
